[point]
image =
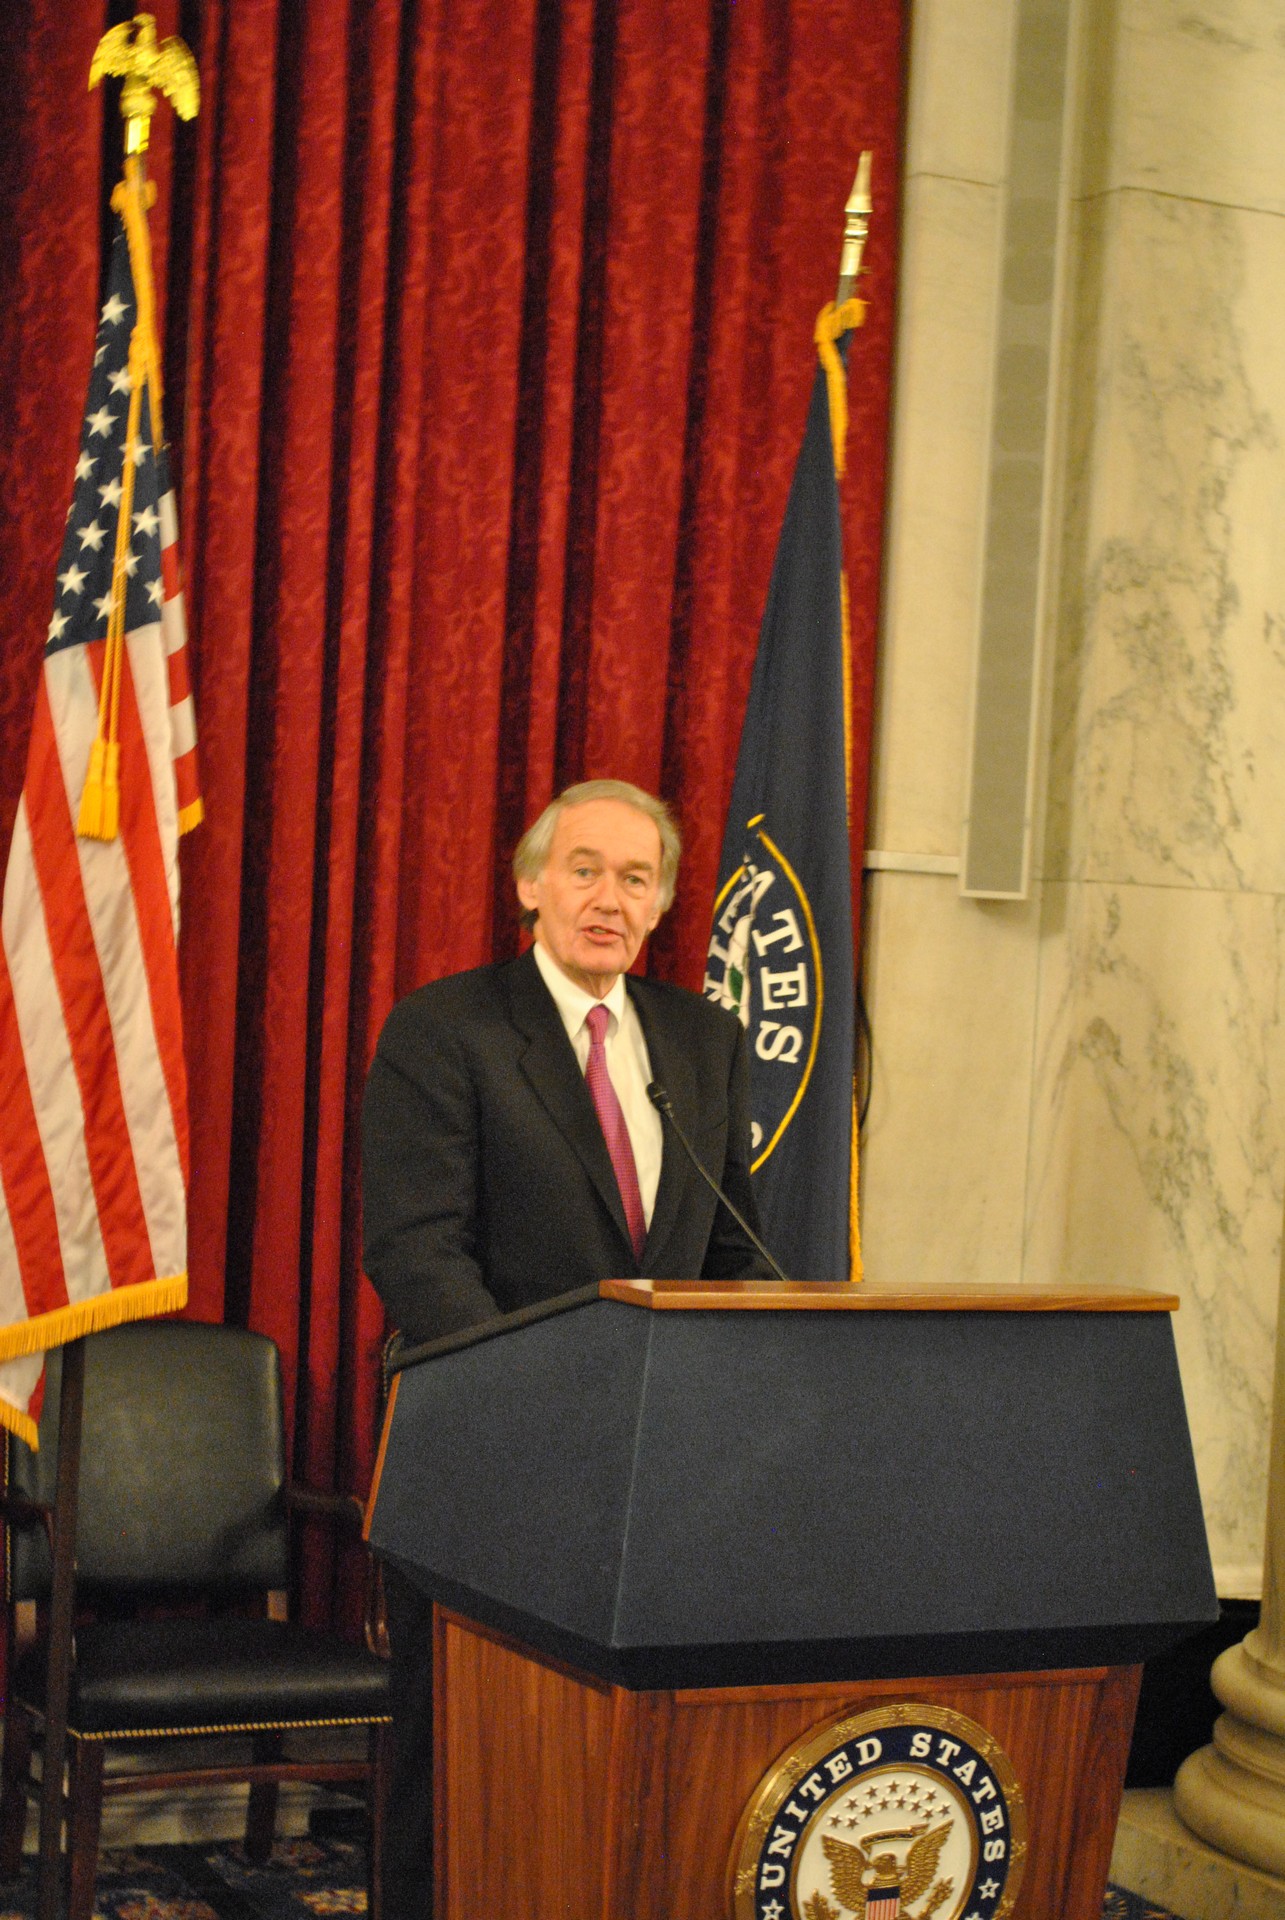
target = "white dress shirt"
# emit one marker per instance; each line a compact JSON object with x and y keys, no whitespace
{"x":627,"y":1064}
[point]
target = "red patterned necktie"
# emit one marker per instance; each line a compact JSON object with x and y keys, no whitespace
{"x":615,"y":1132}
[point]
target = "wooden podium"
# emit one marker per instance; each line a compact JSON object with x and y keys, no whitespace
{"x":721,"y":1570}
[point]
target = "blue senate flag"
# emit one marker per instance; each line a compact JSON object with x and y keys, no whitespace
{"x":780,"y":952}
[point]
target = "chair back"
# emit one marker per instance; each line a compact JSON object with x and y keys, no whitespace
{"x":182,"y":1473}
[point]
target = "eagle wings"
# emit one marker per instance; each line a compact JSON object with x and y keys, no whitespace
{"x":851,"y":1867}
{"x":131,"y":50}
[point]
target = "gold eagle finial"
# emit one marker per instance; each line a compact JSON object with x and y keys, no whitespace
{"x":147,"y":67}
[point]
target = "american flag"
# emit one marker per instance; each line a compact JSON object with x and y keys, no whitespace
{"x":93,"y":1092}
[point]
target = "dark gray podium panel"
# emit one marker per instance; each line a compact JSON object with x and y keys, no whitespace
{"x":686,"y":1498}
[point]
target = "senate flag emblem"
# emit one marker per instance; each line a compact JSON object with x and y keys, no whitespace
{"x":907,"y":1812}
{"x":764,"y":965}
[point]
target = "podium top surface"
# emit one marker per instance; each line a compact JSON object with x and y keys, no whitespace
{"x":869,"y":1297}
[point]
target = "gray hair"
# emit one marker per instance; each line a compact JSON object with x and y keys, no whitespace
{"x":532,"y":853}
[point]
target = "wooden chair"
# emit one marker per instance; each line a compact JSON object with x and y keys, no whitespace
{"x":181,"y":1571}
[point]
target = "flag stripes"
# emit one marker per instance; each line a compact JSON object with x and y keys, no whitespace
{"x":174,"y":629}
{"x":93,"y":1091}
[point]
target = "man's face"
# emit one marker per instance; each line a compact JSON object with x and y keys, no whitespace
{"x":597,"y":897}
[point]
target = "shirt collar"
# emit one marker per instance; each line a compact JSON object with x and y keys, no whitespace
{"x":572,"y":1002}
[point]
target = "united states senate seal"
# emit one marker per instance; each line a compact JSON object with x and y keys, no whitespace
{"x":907,"y":1812}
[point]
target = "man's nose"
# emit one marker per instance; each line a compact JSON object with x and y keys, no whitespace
{"x":606,"y":894}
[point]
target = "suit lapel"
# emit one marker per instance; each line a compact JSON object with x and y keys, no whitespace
{"x":549,"y":1062}
{"x":671,"y":1067}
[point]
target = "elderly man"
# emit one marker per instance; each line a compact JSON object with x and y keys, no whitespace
{"x":511,"y":1152}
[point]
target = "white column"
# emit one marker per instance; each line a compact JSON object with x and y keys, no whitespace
{"x":1233,"y":1793}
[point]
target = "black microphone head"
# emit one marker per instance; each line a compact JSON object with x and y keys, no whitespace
{"x":659,"y":1097}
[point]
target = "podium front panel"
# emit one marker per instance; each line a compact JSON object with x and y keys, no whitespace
{"x":693,"y":1498}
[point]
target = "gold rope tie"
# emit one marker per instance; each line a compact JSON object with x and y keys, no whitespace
{"x":99,"y":816}
{"x":832,"y":323}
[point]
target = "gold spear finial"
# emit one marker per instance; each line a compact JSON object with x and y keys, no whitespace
{"x":131,"y":50}
{"x":856,"y":225}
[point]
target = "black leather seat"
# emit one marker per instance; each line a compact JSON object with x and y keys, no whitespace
{"x":183,"y":1500}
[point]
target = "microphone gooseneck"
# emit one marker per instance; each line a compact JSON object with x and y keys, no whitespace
{"x":659,"y":1097}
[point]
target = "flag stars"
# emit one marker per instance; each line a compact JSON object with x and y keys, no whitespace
{"x":103,"y":607}
{"x":99,"y":351}
{"x":85,"y":465}
{"x":73,"y":580}
{"x":110,"y":494}
{"x":120,"y":381}
{"x":100,"y":422}
{"x":56,"y":625}
{"x":114,"y":310}
{"x":155,"y":592}
{"x":130,"y":563}
{"x":140,"y":453}
{"x":146,"y":522}
{"x":93,"y":535}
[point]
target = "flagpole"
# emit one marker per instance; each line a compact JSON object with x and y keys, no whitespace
{"x":131,"y":51}
{"x":856,"y":225}
{"x":62,"y":1587}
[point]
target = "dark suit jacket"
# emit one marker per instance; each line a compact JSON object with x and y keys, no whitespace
{"x":487,"y":1183}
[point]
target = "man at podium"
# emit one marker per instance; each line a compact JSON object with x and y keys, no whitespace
{"x":512,"y":1152}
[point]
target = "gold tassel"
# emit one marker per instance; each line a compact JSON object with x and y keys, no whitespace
{"x":89,"y":822}
{"x":99,"y":815}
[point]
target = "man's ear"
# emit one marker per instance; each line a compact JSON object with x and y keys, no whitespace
{"x":529,"y":894}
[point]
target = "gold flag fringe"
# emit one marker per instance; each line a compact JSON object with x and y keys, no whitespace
{"x":111,"y":1308}
{"x":854,"y":1202}
{"x":191,"y":816}
{"x":20,"y":1424}
{"x":832,"y":323}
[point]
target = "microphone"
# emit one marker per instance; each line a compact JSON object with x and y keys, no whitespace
{"x":664,"y":1106}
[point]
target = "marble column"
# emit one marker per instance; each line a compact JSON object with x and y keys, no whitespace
{"x":1233,"y":1793}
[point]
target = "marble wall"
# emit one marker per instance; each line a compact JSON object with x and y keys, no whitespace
{"x":1113,"y":1050}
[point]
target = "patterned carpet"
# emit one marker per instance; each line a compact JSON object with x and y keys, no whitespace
{"x":304,"y":1880}
{"x":1120,"y":1905}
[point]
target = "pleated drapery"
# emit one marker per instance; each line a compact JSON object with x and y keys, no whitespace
{"x":488,"y":344}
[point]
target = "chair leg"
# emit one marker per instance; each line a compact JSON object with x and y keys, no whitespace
{"x":14,"y":1776}
{"x":381,"y":1773}
{"x":261,"y":1813}
{"x":84,"y":1822}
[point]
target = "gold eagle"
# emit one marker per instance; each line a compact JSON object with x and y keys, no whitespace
{"x":856,"y":1871}
{"x":132,"y":51}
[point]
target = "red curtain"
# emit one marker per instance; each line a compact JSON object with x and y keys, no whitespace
{"x":488,"y":337}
